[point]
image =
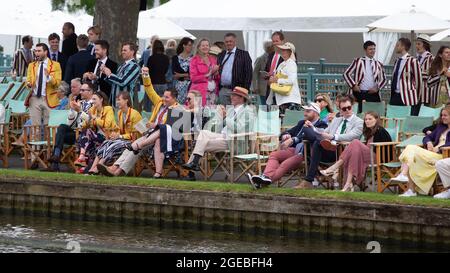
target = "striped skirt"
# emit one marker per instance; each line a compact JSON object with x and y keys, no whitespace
{"x":110,"y":150}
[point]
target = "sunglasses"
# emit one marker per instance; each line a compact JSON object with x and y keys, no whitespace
{"x":345,"y":109}
{"x":318,"y":100}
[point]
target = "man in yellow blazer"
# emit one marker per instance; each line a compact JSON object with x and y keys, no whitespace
{"x":43,"y":78}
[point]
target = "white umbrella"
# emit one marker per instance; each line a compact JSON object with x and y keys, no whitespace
{"x":441,"y":36}
{"x":406,"y":22}
{"x":164,"y":28}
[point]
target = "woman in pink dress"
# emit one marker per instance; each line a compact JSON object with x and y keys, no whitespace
{"x":204,"y":73}
{"x":356,"y":157}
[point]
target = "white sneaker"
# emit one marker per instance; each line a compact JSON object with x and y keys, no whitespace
{"x":408,"y":193}
{"x":315,"y":183}
{"x":401,"y":178}
{"x":443,"y":195}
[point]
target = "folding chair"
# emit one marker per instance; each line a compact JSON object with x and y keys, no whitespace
{"x":378,"y":107}
{"x":19,"y":115}
{"x":14,"y":91}
{"x":395,"y":115}
{"x":4,"y":139}
{"x":414,"y":126}
{"x":260,"y":141}
{"x":426,"y":111}
{"x":5,"y":89}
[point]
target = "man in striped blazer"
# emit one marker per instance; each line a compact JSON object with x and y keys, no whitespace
{"x":127,"y":74}
{"x":407,"y":82}
{"x":23,"y":58}
{"x":425,"y":58}
{"x":366,"y":77}
{"x":235,"y":69}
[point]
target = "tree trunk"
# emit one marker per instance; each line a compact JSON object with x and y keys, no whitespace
{"x":119,"y":22}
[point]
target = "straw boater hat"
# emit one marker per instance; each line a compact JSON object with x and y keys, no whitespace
{"x":424,"y":38}
{"x":215,"y":50}
{"x":289,"y":46}
{"x":240,"y":91}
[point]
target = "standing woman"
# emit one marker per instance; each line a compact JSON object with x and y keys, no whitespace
{"x":204,"y":73}
{"x":356,"y":157}
{"x":418,"y":164}
{"x":158,"y":65}
{"x":101,"y":118}
{"x":439,"y":79}
{"x":117,"y":143}
{"x":286,"y":74}
{"x":180,"y":68}
{"x":425,"y":58}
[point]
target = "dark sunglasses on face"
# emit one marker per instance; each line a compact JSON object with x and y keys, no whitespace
{"x":318,"y":100}
{"x":345,"y":109}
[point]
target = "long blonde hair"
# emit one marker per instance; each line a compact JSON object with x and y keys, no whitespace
{"x":327,"y":99}
{"x":200,"y":43}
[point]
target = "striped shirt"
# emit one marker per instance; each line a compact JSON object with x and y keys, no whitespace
{"x":356,"y":73}
{"x":125,"y":79}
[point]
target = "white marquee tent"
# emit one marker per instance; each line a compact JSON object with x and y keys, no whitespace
{"x":258,"y":18}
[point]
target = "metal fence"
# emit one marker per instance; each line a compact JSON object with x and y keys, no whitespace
{"x":322,"y":67}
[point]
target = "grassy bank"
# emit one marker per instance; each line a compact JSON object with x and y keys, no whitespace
{"x":224,"y":187}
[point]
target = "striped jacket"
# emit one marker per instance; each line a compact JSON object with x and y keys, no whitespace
{"x":427,"y":95}
{"x":435,"y":83}
{"x":20,"y":63}
{"x":124,"y":80}
{"x":242,"y":68}
{"x":354,"y":75}
{"x":411,"y":81}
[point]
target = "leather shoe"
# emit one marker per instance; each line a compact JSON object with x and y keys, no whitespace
{"x":304,"y":185}
{"x":328,"y":145}
{"x":192,"y":166}
{"x":104,"y":170}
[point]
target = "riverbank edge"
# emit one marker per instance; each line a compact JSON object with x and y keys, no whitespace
{"x":226,"y":211}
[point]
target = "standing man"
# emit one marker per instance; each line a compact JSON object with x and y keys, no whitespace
{"x":54,"y":54}
{"x":94,"y":34}
{"x":425,"y":58}
{"x":407,"y":83}
{"x":43,"y":77}
{"x":78,"y":63}
{"x":274,"y":60}
{"x":366,"y":77}
{"x":23,"y":58}
{"x":259,"y":74}
{"x":127,"y":74}
{"x":235,"y":69}
{"x":69,"y":46}
{"x":95,"y":67}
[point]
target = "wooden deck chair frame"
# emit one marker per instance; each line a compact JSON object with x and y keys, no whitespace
{"x":68,"y":154}
{"x":4,"y":144}
{"x":35,"y":149}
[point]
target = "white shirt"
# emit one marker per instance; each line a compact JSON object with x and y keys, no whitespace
{"x":104,"y":60}
{"x":422,"y":57}
{"x":369,"y":80}
{"x":338,"y":132}
{"x":401,"y":63}
{"x":45,"y":79}
{"x":237,"y":109}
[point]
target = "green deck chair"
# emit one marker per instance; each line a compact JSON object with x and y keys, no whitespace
{"x":395,"y":115}
{"x":414,"y":126}
{"x":378,"y":107}
{"x":430,"y":112}
{"x":5,"y":89}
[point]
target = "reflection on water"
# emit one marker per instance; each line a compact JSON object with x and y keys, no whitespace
{"x":35,"y":234}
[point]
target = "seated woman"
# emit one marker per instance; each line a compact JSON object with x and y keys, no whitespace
{"x":418,"y":164}
{"x":100,"y":119}
{"x":326,"y":114}
{"x":356,"y":157}
{"x":114,"y":147}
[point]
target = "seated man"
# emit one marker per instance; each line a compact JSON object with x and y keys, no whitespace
{"x":238,"y":119}
{"x":323,"y":149}
{"x":162,"y":110}
{"x":290,"y":156}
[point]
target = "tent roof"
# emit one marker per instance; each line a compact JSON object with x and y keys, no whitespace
{"x":289,"y":15}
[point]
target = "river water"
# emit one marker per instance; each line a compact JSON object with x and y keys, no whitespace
{"x":40,"y":235}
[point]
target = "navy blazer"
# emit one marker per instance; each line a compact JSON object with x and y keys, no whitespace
{"x":296,"y":131}
{"x":242,"y":72}
{"x":436,"y":134}
{"x":77,"y":65}
{"x":104,"y":85}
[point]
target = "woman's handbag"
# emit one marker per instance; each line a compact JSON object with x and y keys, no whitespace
{"x":281,"y":89}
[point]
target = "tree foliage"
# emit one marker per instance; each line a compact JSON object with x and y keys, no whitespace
{"x":86,"y":5}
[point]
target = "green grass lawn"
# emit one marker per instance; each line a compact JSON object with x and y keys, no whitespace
{"x":224,"y":187}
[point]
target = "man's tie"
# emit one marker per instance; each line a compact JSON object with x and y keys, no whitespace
{"x":395,"y":76}
{"x":99,"y":69}
{"x":344,"y":126}
{"x":273,"y":66}
{"x":54,"y":57}
{"x":420,"y":58}
{"x":41,"y":80}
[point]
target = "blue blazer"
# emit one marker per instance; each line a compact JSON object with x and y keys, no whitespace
{"x":436,"y":134}
{"x":77,"y":65}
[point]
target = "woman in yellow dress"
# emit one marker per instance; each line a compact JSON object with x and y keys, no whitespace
{"x":418,"y":164}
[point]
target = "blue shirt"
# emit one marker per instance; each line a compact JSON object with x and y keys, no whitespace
{"x":227,"y":71}
{"x":63,"y":104}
